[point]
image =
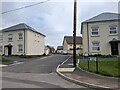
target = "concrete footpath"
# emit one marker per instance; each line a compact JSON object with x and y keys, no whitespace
{"x":90,"y":80}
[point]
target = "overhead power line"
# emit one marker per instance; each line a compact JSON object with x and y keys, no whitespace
{"x":24,"y":7}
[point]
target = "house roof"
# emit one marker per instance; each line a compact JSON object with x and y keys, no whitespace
{"x":69,"y":39}
{"x":60,"y":48}
{"x":21,"y":26}
{"x":107,"y":16}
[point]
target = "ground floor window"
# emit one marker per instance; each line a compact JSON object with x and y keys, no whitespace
{"x":1,"y":48}
{"x":96,"y":46}
{"x":20,"y":48}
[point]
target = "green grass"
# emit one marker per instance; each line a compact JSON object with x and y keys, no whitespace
{"x":107,"y":68}
{"x":2,"y":60}
{"x":97,"y":55}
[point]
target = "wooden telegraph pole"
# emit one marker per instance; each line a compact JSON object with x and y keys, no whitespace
{"x":74,"y":34}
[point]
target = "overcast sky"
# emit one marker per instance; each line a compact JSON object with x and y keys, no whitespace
{"x":55,"y":17}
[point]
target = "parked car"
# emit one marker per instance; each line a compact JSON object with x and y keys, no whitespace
{"x":65,"y":52}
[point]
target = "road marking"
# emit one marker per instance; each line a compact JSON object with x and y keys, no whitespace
{"x":66,"y":60}
{"x":16,"y":63}
{"x":77,"y":81}
{"x":70,"y":64}
{"x":43,"y":58}
{"x":66,"y":69}
{"x":1,"y":65}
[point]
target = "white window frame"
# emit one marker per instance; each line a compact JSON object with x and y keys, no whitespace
{"x":114,"y":30}
{"x":10,"y":37}
{"x":95,"y":31}
{"x":20,"y":37}
{"x":20,"y":48}
{"x":96,"y":47}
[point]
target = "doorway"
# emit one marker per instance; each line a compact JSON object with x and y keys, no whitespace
{"x":114,"y":48}
{"x":9,"y":50}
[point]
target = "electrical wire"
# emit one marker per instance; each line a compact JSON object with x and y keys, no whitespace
{"x":24,"y":7}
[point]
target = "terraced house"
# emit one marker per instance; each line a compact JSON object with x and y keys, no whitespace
{"x":101,"y":34}
{"x":21,"y":39}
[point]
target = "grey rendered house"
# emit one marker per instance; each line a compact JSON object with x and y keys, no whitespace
{"x":68,"y":44}
{"x":101,"y":34}
{"x":21,"y":39}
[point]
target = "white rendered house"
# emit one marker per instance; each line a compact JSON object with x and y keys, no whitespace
{"x":101,"y":34}
{"x":21,"y":39}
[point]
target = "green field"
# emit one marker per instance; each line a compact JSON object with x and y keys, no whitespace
{"x":107,"y":68}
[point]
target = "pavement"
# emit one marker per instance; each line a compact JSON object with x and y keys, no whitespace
{"x":87,"y":79}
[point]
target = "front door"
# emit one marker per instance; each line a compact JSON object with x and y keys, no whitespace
{"x":114,"y":48}
{"x":9,"y":50}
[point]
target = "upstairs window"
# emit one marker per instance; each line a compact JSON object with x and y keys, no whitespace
{"x":95,"y":32}
{"x":113,"y":30}
{"x":96,"y":46}
{"x":1,"y":38}
{"x":10,"y":37}
{"x":20,"y":48}
{"x":20,"y":36}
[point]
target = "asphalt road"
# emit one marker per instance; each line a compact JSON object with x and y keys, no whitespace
{"x":38,"y":73}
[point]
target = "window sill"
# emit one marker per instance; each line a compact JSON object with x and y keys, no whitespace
{"x":113,"y":34}
{"x":10,"y":41}
{"x":95,"y":35}
{"x":20,"y":52}
{"x":20,"y":40}
{"x":95,"y":51}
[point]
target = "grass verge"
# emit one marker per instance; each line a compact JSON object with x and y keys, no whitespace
{"x":3,"y":61}
{"x":107,"y":68}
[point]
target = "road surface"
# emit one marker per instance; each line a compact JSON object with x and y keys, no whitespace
{"x":40,"y":73}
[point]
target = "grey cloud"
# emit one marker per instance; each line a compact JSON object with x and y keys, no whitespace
{"x":54,"y":19}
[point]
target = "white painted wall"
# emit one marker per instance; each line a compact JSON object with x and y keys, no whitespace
{"x":104,"y":37}
{"x":1,"y":43}
{"x":47,"y":51}
{"x":14,"y":43}
{"x":35,"y":43}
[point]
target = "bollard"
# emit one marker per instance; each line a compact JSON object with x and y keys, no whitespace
{"x":88,"y":64}
{"x":97,"y":70}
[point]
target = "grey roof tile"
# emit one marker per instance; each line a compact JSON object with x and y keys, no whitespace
{"x":104,"y":17}
{"x":21,"y":26}
{"x":69,"y":39}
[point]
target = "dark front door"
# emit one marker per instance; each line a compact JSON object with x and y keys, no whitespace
{"x":114,"y":48}
{"x":9,"y":50}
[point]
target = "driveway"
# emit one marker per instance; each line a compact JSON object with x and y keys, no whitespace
{"x":40,"y":73}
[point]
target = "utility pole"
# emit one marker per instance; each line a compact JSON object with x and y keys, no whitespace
{"x":74,"y":34}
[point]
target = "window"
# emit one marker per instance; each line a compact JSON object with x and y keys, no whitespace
{"x":96,"y":46}
{"x":94,"y":32}
{"x":20,"y":48}
{"x":113,"y":30}
{"x":71,"y":45}
{"x":10,"y":37}
{"x":20,"y":36}
{"x":1,"y":48}
{"x":1,"y":37}
{"x":70,"y":48}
